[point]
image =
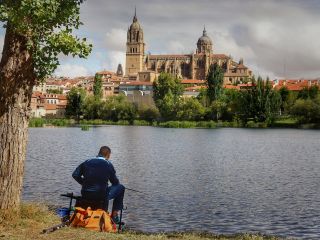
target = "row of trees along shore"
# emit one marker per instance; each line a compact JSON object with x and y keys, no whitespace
{"x":256,"y":105}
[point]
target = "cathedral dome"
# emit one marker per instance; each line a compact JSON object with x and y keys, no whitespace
{"x":204,"y":39}
{"x":135,"y":26}
{"x":204,"y":44}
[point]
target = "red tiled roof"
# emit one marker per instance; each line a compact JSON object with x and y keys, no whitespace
{"x":62,"y":97}
{"x":296,"y":84}
{"x":50,"y":106}
{"x":230,"y":87}
{"x":36,"y":94}
{"x":245,"y":85}
{"x":61,"y":106}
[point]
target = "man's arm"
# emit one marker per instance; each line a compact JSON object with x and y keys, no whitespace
{"x":113,"y":177}
{"x":77,"y":174}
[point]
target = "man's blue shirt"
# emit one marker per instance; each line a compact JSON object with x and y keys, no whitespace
{"x":94,"y":174}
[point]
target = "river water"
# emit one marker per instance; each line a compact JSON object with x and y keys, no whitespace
{"x":223,"y":181}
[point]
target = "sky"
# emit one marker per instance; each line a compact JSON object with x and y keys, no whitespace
{"x":276,"y":38}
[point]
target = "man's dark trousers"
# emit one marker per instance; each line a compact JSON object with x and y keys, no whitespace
{"x":116,"y":192}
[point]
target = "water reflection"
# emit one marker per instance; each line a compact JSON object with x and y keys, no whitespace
{"x":223,"y":180}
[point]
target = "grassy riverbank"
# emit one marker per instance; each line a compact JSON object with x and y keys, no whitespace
{"x":84,"y":124}
{"x":33,"y":218}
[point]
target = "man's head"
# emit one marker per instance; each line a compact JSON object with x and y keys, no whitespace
{"x":105,"y":152}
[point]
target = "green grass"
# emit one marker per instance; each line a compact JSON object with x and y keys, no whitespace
{"x":34,"y":217}
{"x":286,"y":123}
{"x":41,"y":122}
{"x":36,"y":122}
{"x":252,"y":124}
{"x":85,"y":127}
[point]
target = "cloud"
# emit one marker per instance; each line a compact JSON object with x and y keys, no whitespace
{"x":113,"y":58}
{"x":275,"y":38}
{"x":115,"y":40}
{"x":176,"y":47}
{"x":72,"y":70}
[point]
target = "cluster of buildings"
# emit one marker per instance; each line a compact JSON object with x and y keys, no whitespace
{"x":141,"y":70}
{"x":296,"y":85}
{"x":48,"y":105}
{"x":146,"y":68}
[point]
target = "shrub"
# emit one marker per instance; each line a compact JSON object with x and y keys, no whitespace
{"x":307,"y":111}
{"x":36,"y":122}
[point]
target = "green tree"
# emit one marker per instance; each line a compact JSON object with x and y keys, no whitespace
{"x":218,"y":107}
{"x":309,"y":92}
{"x":226,"y":107}
{"x":314,"y":92}
{"x":97,"y":87}
{"x":291,"y":99}
{"x":167,"y":91}
{"x":149,"y":114}
{"x":76,"y":98}
{"x":37,"y":31}
{"x":190,"y":109}
{"x":284,"y":94}
{"x":231,"y":98}
{"x":259,"y":102}
{"x":92,"y":108}
{"x":306,"y":110}
{"x":117,"y":108}
{"x":214,"y":83}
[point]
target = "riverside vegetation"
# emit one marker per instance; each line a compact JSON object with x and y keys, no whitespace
{"x":32,"y":218}
{"x":258,"y":106}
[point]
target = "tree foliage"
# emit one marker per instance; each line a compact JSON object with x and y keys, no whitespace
{"x":190,"y":109}
{"x":167,"y":91}
{"x":214,"y":83}
{"x":309,"y":92}
{"x":259,"y":102}
{"x":48,"y":28}
{"x":97,"y":87}
{"x":76,"y":98}
{"x":148,"y":114}
{"x":117,"y":108}
{"x":307,"y":110}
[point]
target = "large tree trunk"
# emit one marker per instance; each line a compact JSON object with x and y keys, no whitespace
{"x":16,"y":82}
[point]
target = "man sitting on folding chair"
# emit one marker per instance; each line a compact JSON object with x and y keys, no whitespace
{"x":94,"y":174}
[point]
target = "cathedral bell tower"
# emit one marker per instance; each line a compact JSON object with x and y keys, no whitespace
{"x":135,"y":49}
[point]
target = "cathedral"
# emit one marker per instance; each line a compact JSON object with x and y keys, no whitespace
{"x":142,"y":67}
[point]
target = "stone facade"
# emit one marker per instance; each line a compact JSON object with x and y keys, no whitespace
{"x":185,"y":66}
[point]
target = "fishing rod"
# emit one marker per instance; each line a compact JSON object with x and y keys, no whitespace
{"x":133,"y":190}
{"x":130,"y":189}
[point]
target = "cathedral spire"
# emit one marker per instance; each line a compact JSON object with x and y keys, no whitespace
{"x":204,"y":31}
{"x":135,"y":14}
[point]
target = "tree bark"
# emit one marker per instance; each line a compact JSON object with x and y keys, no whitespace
{"x":16,"y":82}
